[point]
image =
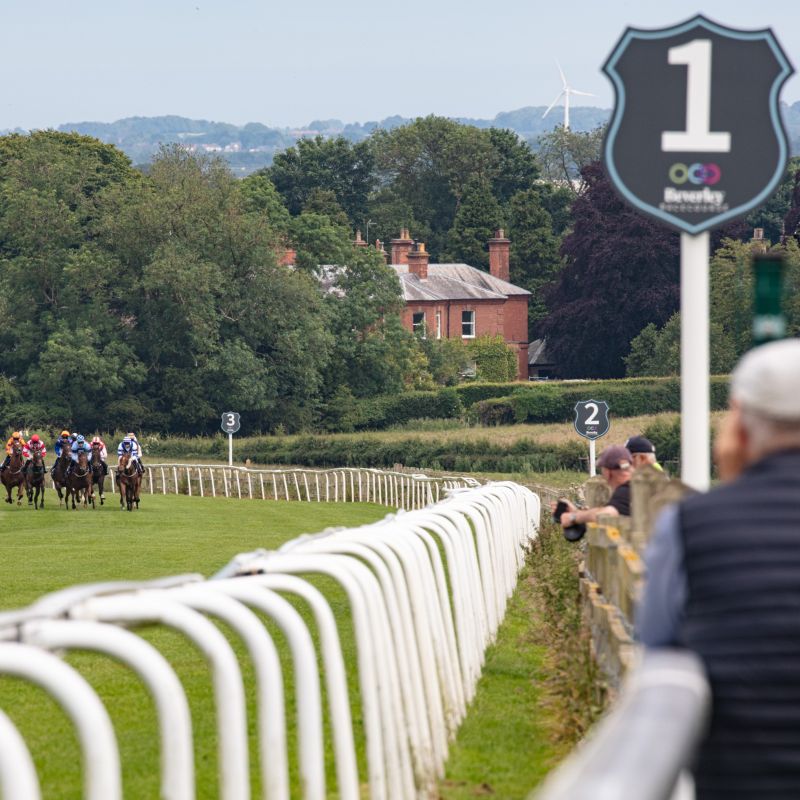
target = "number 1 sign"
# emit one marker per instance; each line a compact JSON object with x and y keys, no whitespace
{"x":696,"y":140}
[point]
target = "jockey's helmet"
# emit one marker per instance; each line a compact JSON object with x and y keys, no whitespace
{"x":16,"y":435}
{"x":80,"y":438}
{"x":126,"y":442}
{"x":131,"y":436}
{"x":97,"y":440}
{"x":35,"y":438}
{"x":64,"y":434}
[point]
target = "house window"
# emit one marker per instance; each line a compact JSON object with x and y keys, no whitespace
{"x":438,"y":324}
{"x":418,"y":323}
{"x":467,"y":324}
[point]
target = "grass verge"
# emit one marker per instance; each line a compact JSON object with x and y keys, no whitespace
{"x":540,"y":690}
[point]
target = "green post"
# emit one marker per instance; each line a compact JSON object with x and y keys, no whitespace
{"x":769,"y":322}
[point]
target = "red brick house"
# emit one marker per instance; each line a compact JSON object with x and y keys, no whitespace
{"x":450,"y":301}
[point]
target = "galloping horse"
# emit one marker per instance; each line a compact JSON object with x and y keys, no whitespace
{"x":13,"y":475}
{"x":79,"y":482}
{"x":98,"y":472}
{"x":128,"y":481}
{"x":60,"y":474}
{"x":35,"y":480}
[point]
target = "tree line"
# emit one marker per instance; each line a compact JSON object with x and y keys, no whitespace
{"x":157,"y":299}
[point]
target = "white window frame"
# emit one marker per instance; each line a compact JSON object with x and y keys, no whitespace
{"x":419,"y":328}
{"x":471,"y":324}
{"x":438,"y":318}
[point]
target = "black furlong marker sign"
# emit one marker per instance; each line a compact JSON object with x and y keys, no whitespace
{"x":696,"y":140}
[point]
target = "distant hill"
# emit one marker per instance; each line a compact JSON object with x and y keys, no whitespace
{"x":252,"y":146}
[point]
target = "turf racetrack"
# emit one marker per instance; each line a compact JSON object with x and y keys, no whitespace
{"x":50,"y":549}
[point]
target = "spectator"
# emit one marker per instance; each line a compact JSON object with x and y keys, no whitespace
{"x":643,"y":452}
{"x":616,"y":467}
{"x":724,"y":581}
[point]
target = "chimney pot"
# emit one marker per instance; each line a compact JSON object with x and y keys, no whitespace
{"x":401,"y":247}
{"x":418,"y":260}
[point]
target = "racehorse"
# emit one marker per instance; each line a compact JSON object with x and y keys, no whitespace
{"x":128,"y":481}
{"x":79,"y":482}
{"x":13,"y":475}
{"x":60,"y":474}
{"x":35,"y":480}
{"x":98,"y":472}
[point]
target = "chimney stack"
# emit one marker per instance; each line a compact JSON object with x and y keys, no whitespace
{"x":418,"y":261}
{"x":379,"y":248}
{"x":401,"y":247}
{"x":499,"y":248}
{"x":758,"y":243}
{"x":358,"y":241}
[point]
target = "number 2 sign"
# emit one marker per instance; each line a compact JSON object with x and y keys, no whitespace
{"x":696,"y":138}
{"x":591,"y":418}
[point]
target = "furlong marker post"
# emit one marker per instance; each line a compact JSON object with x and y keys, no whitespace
{"x":695,"y":391}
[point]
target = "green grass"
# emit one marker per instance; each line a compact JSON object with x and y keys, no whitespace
{"x":50,"y":549}
{"x":502,"y":749}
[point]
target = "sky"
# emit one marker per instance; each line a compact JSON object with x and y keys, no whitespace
{"x":285,"y":64}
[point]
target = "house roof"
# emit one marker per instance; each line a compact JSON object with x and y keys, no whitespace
{"x":454,"y":282}
{"x":537,"y":354}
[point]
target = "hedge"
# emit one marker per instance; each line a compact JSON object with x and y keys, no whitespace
{"x":625,"y":398}
{"x":525,"y":455}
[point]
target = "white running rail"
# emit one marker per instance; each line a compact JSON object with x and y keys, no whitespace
{"x":427,"y":591}
{"x":339,"y":485}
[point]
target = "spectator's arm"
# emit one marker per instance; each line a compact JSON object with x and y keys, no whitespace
{"x":659,"y":615}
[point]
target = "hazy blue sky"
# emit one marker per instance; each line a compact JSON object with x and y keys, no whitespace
{"x":290,"y":62}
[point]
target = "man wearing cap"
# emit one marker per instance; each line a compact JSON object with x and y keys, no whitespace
{"x":616,"y":467}
{"x":724,"y":581}
{"x":643,"y":452}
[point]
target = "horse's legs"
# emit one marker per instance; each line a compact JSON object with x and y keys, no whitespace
{"x":20,"y":492}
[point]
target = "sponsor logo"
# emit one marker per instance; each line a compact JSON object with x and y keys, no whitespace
{"x":697,"y":174}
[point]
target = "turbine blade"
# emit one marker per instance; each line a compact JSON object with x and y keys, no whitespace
{"x":550,"y":107}
{"x":584,"y":94}
{"x":561,"y":73}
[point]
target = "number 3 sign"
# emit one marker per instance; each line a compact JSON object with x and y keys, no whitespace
{"x":230,"y":422}
{"x":696,"y":138}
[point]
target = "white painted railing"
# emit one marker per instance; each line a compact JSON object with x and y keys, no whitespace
{"x":427,"y":591}
{"x":338,"y":485}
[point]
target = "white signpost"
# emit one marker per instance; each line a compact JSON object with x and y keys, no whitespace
{"x":230,"y":424}
{"x":695,"y":143}
{"x":591,"y":422}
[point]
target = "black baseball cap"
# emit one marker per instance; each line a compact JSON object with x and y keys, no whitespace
{"x":640,"y":444}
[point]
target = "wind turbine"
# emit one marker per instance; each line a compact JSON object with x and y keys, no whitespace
{"x":566,"y":91}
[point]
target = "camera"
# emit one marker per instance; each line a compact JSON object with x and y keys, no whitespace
{"x":574,"y":532}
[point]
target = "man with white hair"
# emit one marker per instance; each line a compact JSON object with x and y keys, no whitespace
{"x":724,"y":581}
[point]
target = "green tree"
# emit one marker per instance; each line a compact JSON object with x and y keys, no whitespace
{"x":429,"y":163}
{"x":336,"y":165}
{"x":494,"y":360}
{"x":534,"y":258}
{"x":563,"y":153}
{"x":479,"y":216}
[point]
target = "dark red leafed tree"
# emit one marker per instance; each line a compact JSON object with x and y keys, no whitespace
{"x":621,"y":272}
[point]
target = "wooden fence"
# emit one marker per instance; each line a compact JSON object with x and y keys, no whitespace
{"x":347,"y":484}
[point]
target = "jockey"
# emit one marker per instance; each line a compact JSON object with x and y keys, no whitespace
{"x":14,"y":440}
{"x":80,"y":445}
{"x":64,"y":442}
{"x":139,"y":462}
{"x":33,"y":445}
{"x":98,"y":443}
{"x":130,"y":446}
